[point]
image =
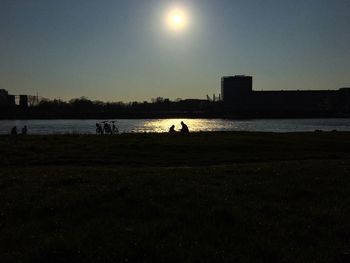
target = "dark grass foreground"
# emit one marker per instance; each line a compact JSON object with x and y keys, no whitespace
{"x":211,"y":197}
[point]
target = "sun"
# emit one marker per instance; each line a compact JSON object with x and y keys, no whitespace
{"x":177,"y":19}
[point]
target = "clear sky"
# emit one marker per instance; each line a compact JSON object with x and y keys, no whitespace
{"x":121,"y":50}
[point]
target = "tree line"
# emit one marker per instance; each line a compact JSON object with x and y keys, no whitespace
{"x":85,"y":108}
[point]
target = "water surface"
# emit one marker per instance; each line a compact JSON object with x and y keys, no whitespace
{"x":162,"y":125}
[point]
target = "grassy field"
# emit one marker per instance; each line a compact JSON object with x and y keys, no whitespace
{"x":205,"y":197}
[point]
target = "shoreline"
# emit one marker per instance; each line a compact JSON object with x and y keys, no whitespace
{"x":141,"y":117}
{"x":213,"y":133}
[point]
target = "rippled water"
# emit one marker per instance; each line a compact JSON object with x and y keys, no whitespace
{"x":162,"y":125}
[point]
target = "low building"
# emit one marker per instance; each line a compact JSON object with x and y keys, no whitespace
{"x":3,"y":98}
{"x":7,"y":100}
{"x":11,"y":100}
{"x":23,"y":101}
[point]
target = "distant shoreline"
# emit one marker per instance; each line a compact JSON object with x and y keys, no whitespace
{"x":248,"y":117}
{"x":177,"y":134}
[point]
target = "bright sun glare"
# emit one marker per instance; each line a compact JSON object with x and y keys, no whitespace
{"x":177,"y":19}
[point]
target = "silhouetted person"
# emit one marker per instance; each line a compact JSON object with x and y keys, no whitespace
{"x":107,"y":128}
{"x":114,"y":129}
{"x":184,"y":128}
{"x":172,"y":129}
{"x":99,"y":129}
{"x":14,"y":130}
{"x":25,"y":130}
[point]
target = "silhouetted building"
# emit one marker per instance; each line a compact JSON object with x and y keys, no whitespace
{"x":11,"y":100}
{"x":3,"y":98}
{"x":23,"y":101}
{"x":239,"y":97}
{"x":235,"y":88}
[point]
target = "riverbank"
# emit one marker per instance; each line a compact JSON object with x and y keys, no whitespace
{"x":205,"y":197}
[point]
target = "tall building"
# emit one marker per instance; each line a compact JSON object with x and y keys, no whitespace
{"x":236,"y":87}
{"x":239,"y":96}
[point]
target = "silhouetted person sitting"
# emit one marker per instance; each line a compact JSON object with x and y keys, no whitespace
{"x":25,"y":130}
{"x":184,"y":128}
{"x":14,"y":131}
{"x":172,"y":129}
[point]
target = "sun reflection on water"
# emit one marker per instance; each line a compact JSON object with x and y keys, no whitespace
{"x":163,"y":125}
{"x":43,"y":127}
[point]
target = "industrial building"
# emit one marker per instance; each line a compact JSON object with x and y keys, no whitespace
{"x":9,"y":101}
{"x":3,"y":98}
{"x":238,"y":96}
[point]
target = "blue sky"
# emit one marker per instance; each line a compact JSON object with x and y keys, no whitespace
{"x":121,"y":51}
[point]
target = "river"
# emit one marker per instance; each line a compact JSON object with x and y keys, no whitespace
{"x":162,"y":125}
